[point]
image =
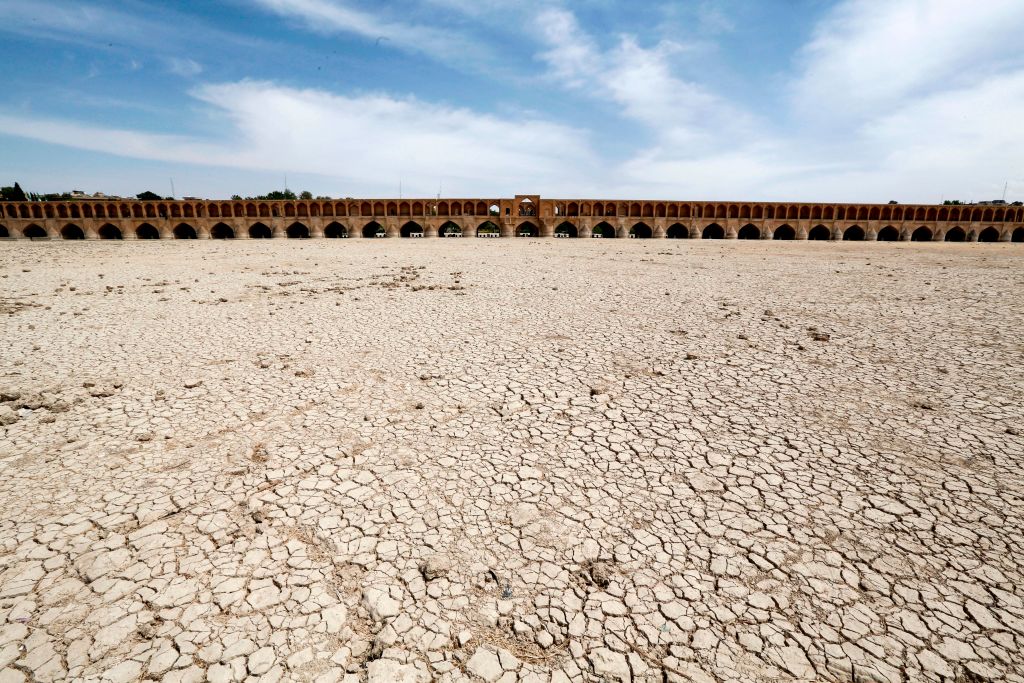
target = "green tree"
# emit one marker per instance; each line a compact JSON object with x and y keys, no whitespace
{"x":278,"y":194}
{"x":148,"y":196}
{"x":305,"y":194}
{"x":13,"y":194}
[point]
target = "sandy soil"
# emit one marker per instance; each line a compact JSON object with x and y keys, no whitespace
{"x":538,"y":460}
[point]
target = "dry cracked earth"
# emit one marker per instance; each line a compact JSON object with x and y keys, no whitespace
{"x":535,"y":460}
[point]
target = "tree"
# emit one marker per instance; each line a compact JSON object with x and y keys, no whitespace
{"x":236,"y":197}
{"x":278,"y":194}
{"x":148,"y":196}
{"x":13,"y":194}
{"x":305,"y":194}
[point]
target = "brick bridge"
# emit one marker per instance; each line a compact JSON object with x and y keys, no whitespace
{"x":521,"y":216}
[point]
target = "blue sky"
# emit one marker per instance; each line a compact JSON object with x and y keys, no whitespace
{"x":812,"y":100}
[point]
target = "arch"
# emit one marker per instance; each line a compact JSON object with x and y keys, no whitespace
{"x":264,"y":210}
{"x":72,"y":232}
{"x":251,"y":211}
{"x":222,"y":231}
{"x":184,"y":231}
{"x":365,"y":209}
{"x":641,"y":231}
{"x":34,"y":232}
{"x":1018,"y":235}
{"x":603,"y":229}
{"x":955,"y":234}
{"x":456,"y":208}
{"x":297,"y":231}
{"x":805,"y":212}
{"x":989,"y":234}
{"x":411,"y":228}
{"x":450,"y":229}
{"x":289,"y":210}
{"x":888,"y":234}
{"x":854,"y":233}
{"x":189,"y":212}
{"x":784,"y":232}
{"x":3,"y":232}
{"x":713,"y":232}
{"x":819,"y":232}
{"x":573,"y":209}
{"x":749,"y":232}
{"x":922,"y":234}
{"x":302,"y":210}
{"x":110,"y":232}
{"x":392,"y":208}
{"x":403,"y":209}
{"x":527,"y":229}
{"x":488,"y":229}
{"x":677,"y":231}
{"x":147,"y":232}
{"x":493,"y":210}
{"x":374,"y":229}
{"x":335,"y":231}
{"x":566,"y":229}
{"x":481,"y":209}
{"x":259,"y":231}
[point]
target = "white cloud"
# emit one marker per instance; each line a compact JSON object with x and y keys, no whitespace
{"x":333,"y":16}
{"x":684,"y":117}
{"x":366,"y":142}
{"x":183,"y":66}
{"x":867,"y":55}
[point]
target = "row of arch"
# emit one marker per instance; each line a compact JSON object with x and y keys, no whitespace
{"x":640,"y":230}
{"x":366,"y":208}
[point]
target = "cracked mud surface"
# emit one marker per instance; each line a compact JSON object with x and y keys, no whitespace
{"x":513,"y":460}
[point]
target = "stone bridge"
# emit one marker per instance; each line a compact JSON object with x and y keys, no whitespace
{"x":520,"y":216}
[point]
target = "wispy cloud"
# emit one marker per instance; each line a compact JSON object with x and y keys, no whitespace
{"x":366,"y":142}
{"x":337,"y":16}
{"x":183,"y":66}
{"x":868,"y":55}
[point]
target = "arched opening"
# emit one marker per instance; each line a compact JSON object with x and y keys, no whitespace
{"x":784,"y":232}
{"x":184,"y":231}
{"x":374,"y":229}
{"x":450,"y":229}
{"x":297,"y":231}
{"x":3,"y":232}
{"x":819,"y":232}
{"x":989,"y":235}
{"x":956,"y":234}
{"x":566,"y":229}
{"x":713,"y":232}
{"x":527,"y":229}
{"x":335,"y":231}
{"x":922,"y":234}
{"x":749,"y":232}
{"x":641,"y":231}
{"x":1018,"y":235}
{"x":677,"y":231}
{"x":110,"y":232}
{"x":222,"y":232}
{"x":34,"y":232}
{"x":488,"y":229}
{"x":603,"y":229}
{"x":412,"y":229}
{"x":259,"y":231}
{"x":888,"y":234}
{"x":853,"y":234}
{"x":147,"y":232}
{"x":72,"y":232}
